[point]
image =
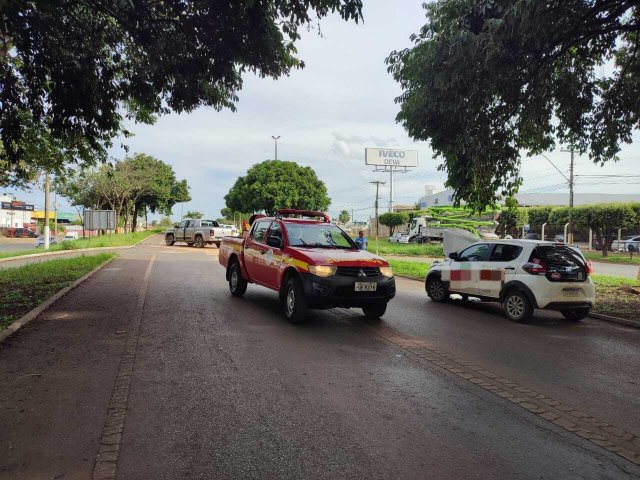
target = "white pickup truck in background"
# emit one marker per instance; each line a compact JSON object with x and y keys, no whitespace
{"x":198,"y":233}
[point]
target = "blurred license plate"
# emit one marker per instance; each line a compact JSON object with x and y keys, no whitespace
{"x":366,"y":286}
{"x":571,"y":293}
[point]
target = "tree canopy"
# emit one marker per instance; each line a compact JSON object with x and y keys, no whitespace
{"x":344,"y":216}
{"x":274,"y":184}
{"x":488,"y":80}
{"x":194,"y":214}
{"x":72,"y":71}
{"x":129,"y":187}
{"x":393,"y":220}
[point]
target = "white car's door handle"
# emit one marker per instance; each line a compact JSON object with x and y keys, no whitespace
{"x":509,"y":268}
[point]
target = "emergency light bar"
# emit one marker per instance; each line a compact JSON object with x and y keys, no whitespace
{"x":286,"y":212}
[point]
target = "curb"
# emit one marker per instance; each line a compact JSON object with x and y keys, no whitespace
{"x":620,"y":321}
{"x":67,"y":252}
{"x":26,"y":318}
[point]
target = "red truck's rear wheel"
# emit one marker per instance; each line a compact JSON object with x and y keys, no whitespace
{"x":294,"y":303}
{"x":237,"y":284}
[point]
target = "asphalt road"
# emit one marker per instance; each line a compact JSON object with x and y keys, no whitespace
{"x":16,"y":244}
{"x":151,"y":370}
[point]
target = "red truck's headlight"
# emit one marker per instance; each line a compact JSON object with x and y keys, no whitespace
{"x":322,"y":270}
{"x":386,"y":271}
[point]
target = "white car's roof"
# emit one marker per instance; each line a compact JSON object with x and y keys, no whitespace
{"x":522,"y":242}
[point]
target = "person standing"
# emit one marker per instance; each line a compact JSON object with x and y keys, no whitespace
{"x":361,"y":241}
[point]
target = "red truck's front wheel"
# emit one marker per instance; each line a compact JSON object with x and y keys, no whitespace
{"x":294,"y":302}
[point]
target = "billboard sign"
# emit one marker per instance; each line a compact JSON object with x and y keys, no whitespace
{"x":391,"y":157}
{"x":100,"y":219}
{"x":15,"y":205}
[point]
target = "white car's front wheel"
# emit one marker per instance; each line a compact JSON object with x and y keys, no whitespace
{"x":437,"y":290}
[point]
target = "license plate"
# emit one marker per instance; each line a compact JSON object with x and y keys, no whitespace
{"x":571,"y":293}
{"x":366,"y":286}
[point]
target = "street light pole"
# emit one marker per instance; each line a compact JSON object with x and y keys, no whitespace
{"x":275,"y":139}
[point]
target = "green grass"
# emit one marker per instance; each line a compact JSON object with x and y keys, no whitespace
{"x":24,"y":288}
{"x":407,"y":268}
{"x":432,"y":250}
{"x":115,"y":240}
{"x":613,"y":258}
{"x":610,"y":299}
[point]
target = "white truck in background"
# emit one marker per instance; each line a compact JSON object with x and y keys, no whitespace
{"x":425,"y":229}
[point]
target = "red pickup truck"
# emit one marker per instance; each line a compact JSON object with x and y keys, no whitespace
{"x":310,"y":262}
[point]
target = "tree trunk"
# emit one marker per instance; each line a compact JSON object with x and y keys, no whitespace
{"x":606,"y":241}
{"x":134,"y":221}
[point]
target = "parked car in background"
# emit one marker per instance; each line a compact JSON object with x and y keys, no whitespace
{"x":399,"y":237}
{"x":520,"y":274}
{"x":21,"y":232}
{"x":623,"y":245}
{"x":234,"y":230}
{"x":559,"y":238}
{"x":40,"y":241}
{"x":197,"y":232}
{"x":70,"y":236}
{"x":532,"y":236}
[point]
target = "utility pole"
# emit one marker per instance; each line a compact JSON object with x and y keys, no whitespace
{"x":390,"y":190}
{"x":47,"y":187}
{"x":275,"y":139}
{"x":352,"y":219}
{"x":55,"y":212}
{"x":377,"y":183}
{"x":569,"y":238}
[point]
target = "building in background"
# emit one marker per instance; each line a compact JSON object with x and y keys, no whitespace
{"x":445,"y":199}
{"x":15,"y":213}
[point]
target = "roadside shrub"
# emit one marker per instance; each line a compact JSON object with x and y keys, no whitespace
{"x":69,"y":245}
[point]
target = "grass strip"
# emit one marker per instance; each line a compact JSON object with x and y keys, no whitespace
{"x":613,"y":258}
{"x":408,"y":268}
{"x":611,"y":298}
{"x":114,"y":240}
{"x":433,"y":250}
{"x":24,"y":288}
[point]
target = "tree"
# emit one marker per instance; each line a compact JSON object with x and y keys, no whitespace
{"x":156,"y":188}
{"x":538,"y":216}
{"x":511,"y":218}
{"x":393,"y":220}
{"x":605,"y":220}
{"x":76,"y":69}
{"x":344,"y":217}
{"x":487,"y":80}
{"x":276,"y":184}
{"x":195,"y":215}
{"x":126,"y":186}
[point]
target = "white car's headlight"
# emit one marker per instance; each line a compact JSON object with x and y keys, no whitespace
{"x":386,"y":271}
{"x":322,"y":270}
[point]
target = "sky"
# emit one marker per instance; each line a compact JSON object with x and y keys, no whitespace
{"x":326,"y":114}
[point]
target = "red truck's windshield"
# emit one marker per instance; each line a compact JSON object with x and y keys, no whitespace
{"x":321,"y":236}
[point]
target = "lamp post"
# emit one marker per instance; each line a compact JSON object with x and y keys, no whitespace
{"x":275,"y":139}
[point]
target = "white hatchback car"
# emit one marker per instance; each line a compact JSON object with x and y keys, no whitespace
{"x":521,"y":274}
{"x":399,"y":237}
